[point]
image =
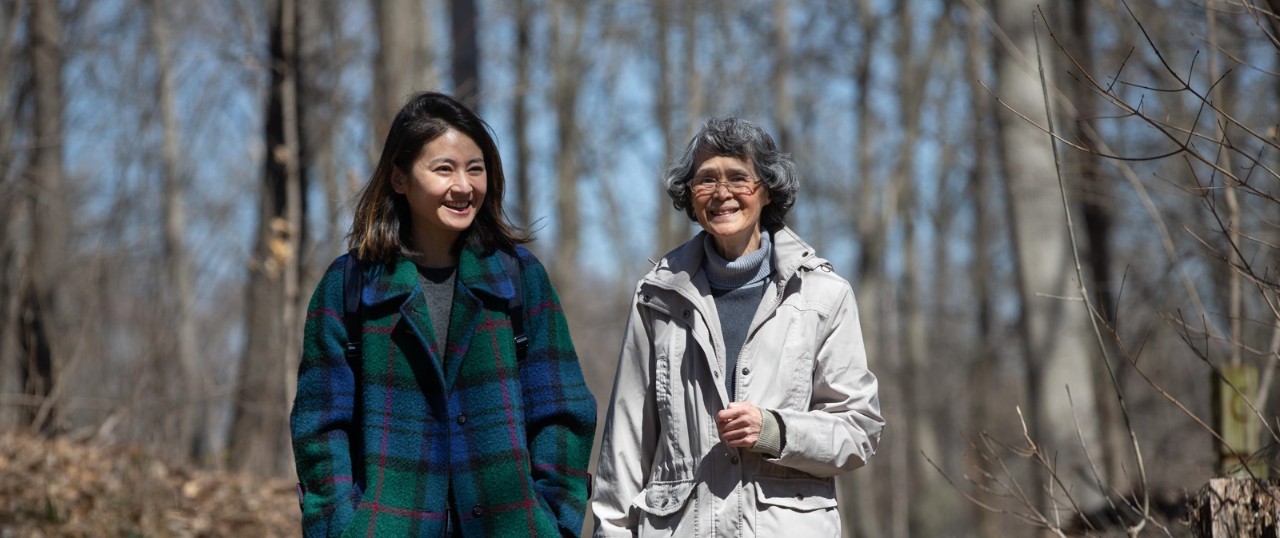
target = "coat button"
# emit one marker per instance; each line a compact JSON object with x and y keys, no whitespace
{"x":733,"y":460}
{"x":462,"y":419}
{"x":477,"y":511}
{"x":746,"y":371}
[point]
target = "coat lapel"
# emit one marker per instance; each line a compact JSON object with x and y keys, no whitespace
{"x":397,"y":283}
{"x":680,"y":270}
{"x":481,"y":280}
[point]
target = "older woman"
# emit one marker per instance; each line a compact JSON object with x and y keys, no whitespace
{"x":742,"y":388}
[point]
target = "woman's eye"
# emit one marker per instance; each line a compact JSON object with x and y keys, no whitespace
{"x":738,"y":180}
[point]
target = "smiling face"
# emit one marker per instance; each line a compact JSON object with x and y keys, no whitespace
{"x":732,"y":219}
{"x":445,"y":189}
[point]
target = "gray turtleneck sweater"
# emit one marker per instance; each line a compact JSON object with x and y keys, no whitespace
{"x":738,"y":286}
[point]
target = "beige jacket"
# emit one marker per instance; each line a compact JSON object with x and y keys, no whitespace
{"x":663,"y":470}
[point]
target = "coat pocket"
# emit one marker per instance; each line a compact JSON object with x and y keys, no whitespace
{"x":664,"y":498}
{"x":800,"y":494}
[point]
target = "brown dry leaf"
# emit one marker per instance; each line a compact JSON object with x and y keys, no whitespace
{"x":68,"y":489}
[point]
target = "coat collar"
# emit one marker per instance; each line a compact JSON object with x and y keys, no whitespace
{"x":395,"y":281}
{"x":681,"y":267}
{"x":480,"y":276}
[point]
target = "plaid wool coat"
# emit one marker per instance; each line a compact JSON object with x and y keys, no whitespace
{"x":389,"y":446}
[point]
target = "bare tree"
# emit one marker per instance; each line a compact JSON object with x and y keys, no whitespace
{"x":567,"y":28}
{"x":259,"y":432}
{"x":520,"y":169}
{"x":13,"y":207}
{"x":465,"y":52}
{"x":1058,"y":347}
{"x":40,"y":307}
{"x":179,"y":345}
{"x":403,"y":63}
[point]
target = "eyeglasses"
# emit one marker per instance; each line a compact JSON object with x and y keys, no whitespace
{"x":706,"y":186}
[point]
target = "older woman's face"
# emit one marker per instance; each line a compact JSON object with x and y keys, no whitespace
{"x":730,"y":209}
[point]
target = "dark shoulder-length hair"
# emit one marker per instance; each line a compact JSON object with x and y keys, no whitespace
{"x":381,"y":228}
{"x":734,"y":137}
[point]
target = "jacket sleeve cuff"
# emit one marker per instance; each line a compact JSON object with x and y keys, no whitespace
{"x":771,"y":434}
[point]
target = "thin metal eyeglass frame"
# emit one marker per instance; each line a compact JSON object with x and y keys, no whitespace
{"x":701,"y":189}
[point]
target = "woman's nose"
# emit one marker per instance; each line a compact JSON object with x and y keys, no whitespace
{"x":459,"y":182}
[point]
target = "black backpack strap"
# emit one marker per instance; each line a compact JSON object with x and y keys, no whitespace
{"x":515,"y":307}
{"x":352,"y":286}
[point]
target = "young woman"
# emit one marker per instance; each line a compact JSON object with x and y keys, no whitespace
{"x":439,"y":426}
{"x":742,"y":388}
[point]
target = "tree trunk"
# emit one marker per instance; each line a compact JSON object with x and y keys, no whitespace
{"x":466,"y":52}
{"x":981,"y":191}
{"x":259,"y":434}
{"x":179,"y":341}
{"x":568,"y":19}
{"x":40,"y":307}
{"x":664,"y":112}
{"x":861,"y":514}
{"x":781,"y":73}
{"x":1095,"y":201}
{"x":519,"y":170}
{"x":13,"y":212}
{"x":1237,"y":508}
{"x":403,"y":64}
{"x":1056,"y":328}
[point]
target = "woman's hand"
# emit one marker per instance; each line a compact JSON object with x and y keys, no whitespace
{"x":740,"y":424}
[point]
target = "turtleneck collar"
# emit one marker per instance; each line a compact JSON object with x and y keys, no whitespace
{"x":749,"y":268}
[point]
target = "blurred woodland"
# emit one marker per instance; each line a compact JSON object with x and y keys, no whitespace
{"x":1074,"y":315}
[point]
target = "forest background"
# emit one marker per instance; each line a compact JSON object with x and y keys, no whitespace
{"x":1056,"y":321}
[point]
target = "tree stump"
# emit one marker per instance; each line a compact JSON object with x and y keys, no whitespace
{"x":1237,"y":508}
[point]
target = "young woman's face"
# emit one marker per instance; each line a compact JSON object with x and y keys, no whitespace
{"x":445,"y":189}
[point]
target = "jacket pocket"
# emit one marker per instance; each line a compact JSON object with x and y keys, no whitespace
{"x":800,"y":494}
{"x":664,"y":498}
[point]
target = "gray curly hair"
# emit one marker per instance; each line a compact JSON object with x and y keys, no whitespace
{"x":734,"y":137}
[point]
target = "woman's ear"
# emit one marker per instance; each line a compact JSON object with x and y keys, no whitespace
{"x":398,"y":181}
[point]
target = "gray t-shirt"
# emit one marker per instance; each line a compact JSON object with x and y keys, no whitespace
{"x":437,"y":289}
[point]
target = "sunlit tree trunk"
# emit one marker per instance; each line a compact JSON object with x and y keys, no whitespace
{"x":781,"y":74}
{"x":567,"y":22}
{"x":664,"y":112}
{"x":1058,"y":346}
{"x":403,"y":63}
{"x":259,"y":434}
